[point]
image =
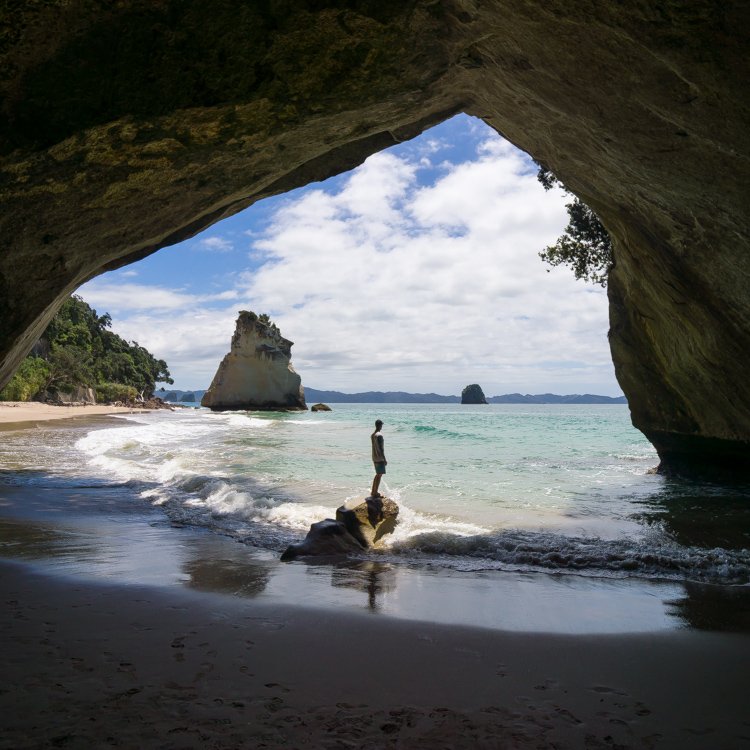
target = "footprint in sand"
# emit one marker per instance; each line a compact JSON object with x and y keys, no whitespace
{"x":603,"y":689}
{"x":548,"y":685}
{"x":564,"y":714}
{"x":276,"y":685}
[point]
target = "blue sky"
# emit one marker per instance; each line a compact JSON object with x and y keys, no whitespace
{"x":417,"y":271}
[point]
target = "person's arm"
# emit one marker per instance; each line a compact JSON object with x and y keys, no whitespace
{"x":381,"y":444}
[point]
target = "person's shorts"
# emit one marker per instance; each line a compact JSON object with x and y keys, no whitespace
{"x":380,"y":468}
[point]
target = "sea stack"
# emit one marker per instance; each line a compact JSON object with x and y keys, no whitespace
{"x":473,"y":394}
{"x":257,"y":374}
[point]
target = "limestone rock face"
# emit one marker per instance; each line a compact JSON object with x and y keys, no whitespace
{"x":326,"y":538}
{"x":473,"y":394}
{"x":320,"y":407}
{"x":84,"y":395}
{"x":368,"y":519}
{"x":257,"y":374}
{"x":127,"y":127}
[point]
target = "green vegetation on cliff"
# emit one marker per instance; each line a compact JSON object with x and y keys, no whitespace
{"x":79,"y":350}
{"x":585,"y":245}
{"x":263,"y":318}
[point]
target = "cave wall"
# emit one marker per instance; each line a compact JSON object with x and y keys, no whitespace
{"x":128,"y":126}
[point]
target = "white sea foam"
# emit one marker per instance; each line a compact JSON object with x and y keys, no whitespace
{"x":265,"y":480}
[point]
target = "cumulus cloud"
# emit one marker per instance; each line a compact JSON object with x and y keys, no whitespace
{"x":117,"y":297}
{"x":214,"y":245}
{"x":392,"y":284}
{"x":405,"y":276}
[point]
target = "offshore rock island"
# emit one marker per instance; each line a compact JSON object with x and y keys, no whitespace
{"x":473,"y":394}
{"x":257,"y":374}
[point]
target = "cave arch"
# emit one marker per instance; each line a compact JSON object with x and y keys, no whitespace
{"x":129,"y":128}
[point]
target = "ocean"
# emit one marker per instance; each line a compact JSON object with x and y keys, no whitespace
{"x":555,"y":489}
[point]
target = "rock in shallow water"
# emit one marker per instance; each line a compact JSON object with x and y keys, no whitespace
{"x":320,"y":407}
{"x":360,"y":523}
{"x":325,"y":539}
{"x":368,"y":519}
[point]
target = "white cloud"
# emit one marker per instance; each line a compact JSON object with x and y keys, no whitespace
{"x":117,"y":297}
{"x":129,"y":273}
{"x":390,"y":285}
{"x":214,"y":245}
{"x":123,"y":298}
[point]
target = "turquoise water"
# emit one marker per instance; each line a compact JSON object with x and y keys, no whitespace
{"x":553,"y":488}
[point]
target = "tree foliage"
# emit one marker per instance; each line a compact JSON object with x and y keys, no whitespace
{"x":585,"y":246}
{"x":28,"y":380}
{"x":263,"y":318}
{"x":83,"y":351}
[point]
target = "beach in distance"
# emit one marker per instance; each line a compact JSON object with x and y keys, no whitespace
{"x":31,"y":411}
{"x":541,"y":590}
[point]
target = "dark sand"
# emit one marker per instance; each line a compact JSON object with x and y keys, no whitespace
{"x":87,"y":665}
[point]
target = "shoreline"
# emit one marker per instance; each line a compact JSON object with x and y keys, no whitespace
{"x":155,"y":667}
{"x":126,"y":627}
{"x":19,"y":412}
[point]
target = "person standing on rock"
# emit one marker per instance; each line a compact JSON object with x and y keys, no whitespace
{"x":378,"y":457}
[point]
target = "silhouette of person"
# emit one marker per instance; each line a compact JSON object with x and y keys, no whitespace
{"x":378,"y":457}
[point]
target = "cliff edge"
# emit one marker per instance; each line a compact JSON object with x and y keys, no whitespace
{"x":257,"y":374}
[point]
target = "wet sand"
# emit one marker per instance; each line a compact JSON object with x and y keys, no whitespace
{"x":12,"y":412}
{"x":89,"y":665}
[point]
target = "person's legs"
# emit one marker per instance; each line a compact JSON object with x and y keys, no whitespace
{"x":375,"y":485}
{"x":379,"y":471}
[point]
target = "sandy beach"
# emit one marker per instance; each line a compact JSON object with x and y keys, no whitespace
{"x":95,"y":665}
{"x":12,"y":412}
{"x":126,"y":626}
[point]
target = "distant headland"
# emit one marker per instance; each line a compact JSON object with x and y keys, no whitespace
{"x":400,"y":397}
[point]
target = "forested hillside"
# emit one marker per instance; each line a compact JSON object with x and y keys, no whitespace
{"x":78,"y":349}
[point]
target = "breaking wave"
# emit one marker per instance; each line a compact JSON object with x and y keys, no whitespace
{"x":543,"y":552}
{"x":199,"y":470}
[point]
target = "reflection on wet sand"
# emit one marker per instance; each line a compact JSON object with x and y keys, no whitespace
{"x":233,"y":573}
{"x":371,"y":578}
{"x":75,"y":531}
{"x":724,"y":609}
{"x":30,"y":540}
{"x":706,"y":517}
